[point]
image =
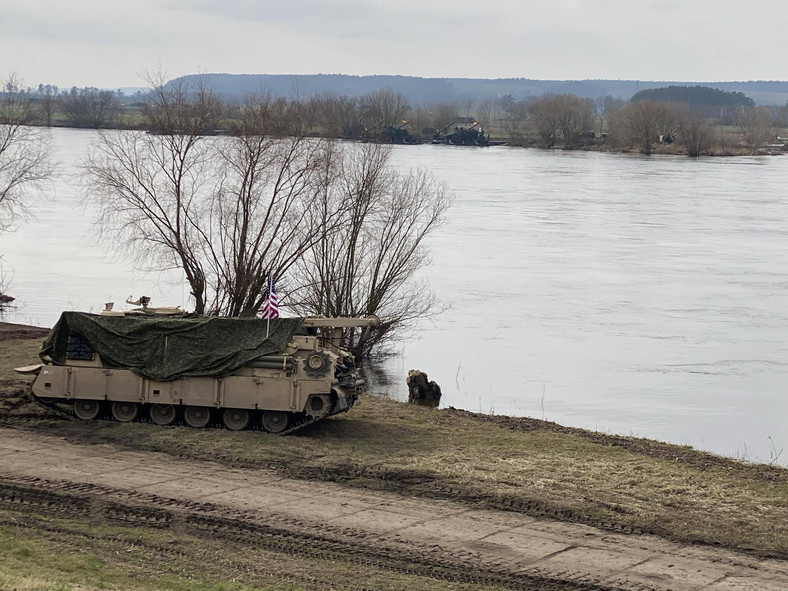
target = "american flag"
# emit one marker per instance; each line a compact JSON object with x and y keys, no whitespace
{"x":270,"y":307}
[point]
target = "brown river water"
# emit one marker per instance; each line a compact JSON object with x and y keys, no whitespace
{"x":631,"y":295}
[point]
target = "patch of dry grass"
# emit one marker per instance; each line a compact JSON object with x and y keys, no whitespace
{"x":60,"y":554}
{"x":17,"y":353}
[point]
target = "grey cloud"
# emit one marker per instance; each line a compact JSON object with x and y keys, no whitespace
{"x":346,"y":19}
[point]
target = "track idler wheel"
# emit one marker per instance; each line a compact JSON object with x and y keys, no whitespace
{"x":318,"y":406}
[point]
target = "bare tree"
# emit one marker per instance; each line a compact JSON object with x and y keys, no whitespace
{"x":370,"y":267}
{"x":151,"y":187}
{"x":444,"y":114}
{"x":667,"y":118}
{"x":756,"y":126}
{"x":694,"y":132}
{"x":47,"y":98}
{"x":384,"y":105}
{"x":516,"y":122}
{"x":723,"y":140}
{"x":781,"y":117}
{"x":609,"y":104}
{"x":339,"y":114}
{"x":641,"y":123}
{"x":24,"y":153}
{"x":267,"y":211}
{"x":228,"y":211}
{"x":573,"y":116}
{"x":278,"y":117}
{"x":88,"y":107}
{"x":334,"y":224}
{"x":488,"y":111}
{"x":561,"y":115}
{"x":543,"y":114}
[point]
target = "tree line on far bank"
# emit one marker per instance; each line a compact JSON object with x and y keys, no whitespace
{"x":691,"y":120}
{"x":695,"y":120}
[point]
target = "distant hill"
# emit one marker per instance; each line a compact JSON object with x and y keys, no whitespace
{"x":432,"y":90}
{"x":695,"y":95}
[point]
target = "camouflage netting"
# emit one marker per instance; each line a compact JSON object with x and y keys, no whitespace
{"x":168,"y":348}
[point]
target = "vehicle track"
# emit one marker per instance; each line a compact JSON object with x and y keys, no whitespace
{"x":446,"y":540}
{"x":200,"y":519}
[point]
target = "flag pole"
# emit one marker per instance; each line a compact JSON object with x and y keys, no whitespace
{"x":268,"y":316}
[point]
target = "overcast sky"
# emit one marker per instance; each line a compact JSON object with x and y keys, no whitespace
{"x":111,"y":43}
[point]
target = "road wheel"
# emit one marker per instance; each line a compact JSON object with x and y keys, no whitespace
{"x":125,"y":412}
{"x":275,"y":421}
{"x":162,"y":414}
{"x":197,"y":416}
{"x":87,"y":410}
{"x":235,"y":419}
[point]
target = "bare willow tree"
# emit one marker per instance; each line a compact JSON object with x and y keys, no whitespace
{"x":267,"y":210}
{"x":88,"y":107}
{"x":339,"y":114}
{"x":756,"y":125}
{"x":371,"y":265}
{"x":695,"y":133}
{"x":151,"y":187}
{"x":228,"y":211}
{"x":384,"y":104}
{"x":641,"y":123}
{"x":545,"y":120}
{"x":341,"y":230}
{"x":574,"y":117}
{"x":47,"y":99}
{"x":565,"y":115}
{"x":24,"y":153}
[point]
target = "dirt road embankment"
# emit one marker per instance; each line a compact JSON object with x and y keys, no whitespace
{"x":441,"y":539}
{"x":387,"y":496}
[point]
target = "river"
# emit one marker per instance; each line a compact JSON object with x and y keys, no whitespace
{"x":620,"y":293}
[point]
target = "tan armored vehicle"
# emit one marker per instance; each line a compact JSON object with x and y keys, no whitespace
{"x":281,"y":374}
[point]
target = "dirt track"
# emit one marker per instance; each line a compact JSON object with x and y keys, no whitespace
{"x":9,"y":331}
{"x":433,"y":538}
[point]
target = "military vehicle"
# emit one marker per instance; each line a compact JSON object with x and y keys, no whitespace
{"x":397,"y":134}
{"x":462,"y":136}
{"x":391,"y":134}
{"x":168,"y":366}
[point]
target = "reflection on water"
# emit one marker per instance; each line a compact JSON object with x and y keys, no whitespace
{"x":643,"y":296}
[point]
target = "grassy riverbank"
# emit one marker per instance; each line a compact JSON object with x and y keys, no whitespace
{"x":524,"y":465}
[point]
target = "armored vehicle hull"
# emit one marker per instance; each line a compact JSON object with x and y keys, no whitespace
{"x":243,"y":373}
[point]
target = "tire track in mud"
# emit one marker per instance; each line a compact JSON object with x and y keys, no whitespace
{"x":276,"y":533}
